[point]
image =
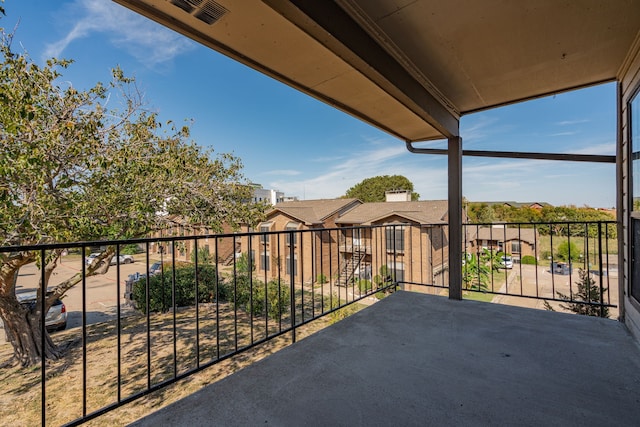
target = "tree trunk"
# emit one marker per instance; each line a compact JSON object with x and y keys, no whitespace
{"x":23,"y":330}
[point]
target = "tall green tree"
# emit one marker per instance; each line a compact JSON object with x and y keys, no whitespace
{"x":73,"y":168}
{"x":373,"y":189}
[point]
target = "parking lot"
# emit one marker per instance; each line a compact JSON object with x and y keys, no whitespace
{"x":101,"y":293}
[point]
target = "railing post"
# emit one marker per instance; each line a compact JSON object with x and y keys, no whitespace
{"x":292,"y":289}
{"x":455,"y":217}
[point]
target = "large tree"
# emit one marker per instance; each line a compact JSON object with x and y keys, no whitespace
{"x":92,"y":164}
{"x":373,"y":189}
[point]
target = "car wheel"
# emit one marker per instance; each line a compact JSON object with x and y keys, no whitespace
{"x":128,"y":261}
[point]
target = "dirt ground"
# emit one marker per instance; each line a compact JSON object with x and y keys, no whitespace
{"x":20,"y":388}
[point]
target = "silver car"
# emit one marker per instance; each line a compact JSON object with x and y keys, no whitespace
{"x":56,"y":319}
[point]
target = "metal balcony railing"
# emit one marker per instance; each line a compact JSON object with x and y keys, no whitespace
{"x":179,"y":308}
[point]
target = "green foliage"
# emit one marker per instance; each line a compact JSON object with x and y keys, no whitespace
{"x":373,"y":189}
{"x":131,"y":249}
{"x":252,"y":296}
{"x":476,"y":270}
{"x":205,"y":257}
{"x":244,"y":264}
{"x":321,"y":278}
{"x":559,"y":215}
{"x":340,"y":313}
{"x":529,"y":260}
{"x":160,"y":288}
{"x":567,"y":251}
{"x":377,"y":280}
{"x":364,"y":285}
{"x":384,"y":272}
{"x":587,"y":291}
{"x":75,"y":169}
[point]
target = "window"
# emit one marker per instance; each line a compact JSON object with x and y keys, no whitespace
{"x":264,"y":238}
{"x":291,"y":238}
{"x":515,"y":247}
{"x":396,"y":270}
{"x":292,"y":266}
{"x":395,"y":238}
{"x":264,"y":261}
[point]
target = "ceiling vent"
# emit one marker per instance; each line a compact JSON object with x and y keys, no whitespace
{"x":207,"y":11}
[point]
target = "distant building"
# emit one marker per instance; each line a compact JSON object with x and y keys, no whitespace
{"x":261,"y":194}
{"x":511,"y":204}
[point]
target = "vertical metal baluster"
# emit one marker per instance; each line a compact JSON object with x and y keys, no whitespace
{"x":173,"y":308}
{"x":43,"y":355}
{"x":118,"y":326}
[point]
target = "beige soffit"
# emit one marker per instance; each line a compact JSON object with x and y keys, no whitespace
{"x":413,"y":67}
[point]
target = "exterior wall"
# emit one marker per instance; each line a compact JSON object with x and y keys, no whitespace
{"x":526,"y":248}
{"x":629,"y":84}
{"x":313,"y":252}
{"x":184,"y":249}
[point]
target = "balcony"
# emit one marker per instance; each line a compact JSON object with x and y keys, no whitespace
{"x":410,"y":356}
{"x":420,"y":360}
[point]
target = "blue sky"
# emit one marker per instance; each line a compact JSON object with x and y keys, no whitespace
{"x":293,"y":143}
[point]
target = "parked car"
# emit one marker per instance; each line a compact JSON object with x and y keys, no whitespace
{"x":123,"y":259}
{"x":155,"y":268}
{"x":89,"y":259}
{"x":506,"y":262}
{"x":56,"y":319}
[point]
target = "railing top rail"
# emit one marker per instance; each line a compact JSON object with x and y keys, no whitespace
{"x":144,"y":240}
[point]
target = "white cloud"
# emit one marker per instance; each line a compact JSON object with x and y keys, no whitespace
{"x":607,"y":148}
{"x":285,"y":172}
{"x":143,"y":39}
{"x":565,"y":133}
{"x":572,"y":122}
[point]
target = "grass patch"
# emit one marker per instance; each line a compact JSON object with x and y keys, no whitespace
{"x":477,"y":296}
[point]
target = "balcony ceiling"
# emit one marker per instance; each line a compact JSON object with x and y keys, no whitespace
{"x":413,"y":67}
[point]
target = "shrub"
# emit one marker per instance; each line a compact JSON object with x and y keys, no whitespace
{"x":160,"y":292}
{"x":567,"y":250}
{"x":321,"y":279}
{"x":250,"y":296}
{"x":341,"y":313}
{"x":364,"y":285}
{"x":204,"y":256}
{"x":528,"y":259}
{"x":377,"y":280}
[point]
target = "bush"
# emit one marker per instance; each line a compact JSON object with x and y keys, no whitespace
{"x":250,"y":296}
{"x":160,"y":293}
{"x":567,"y":250}
{"x":364,"y":285}
{"x":377,"y":280}
{"x":528,"y":259}
{"x":322,"y":279}
{"x":204,"y":256}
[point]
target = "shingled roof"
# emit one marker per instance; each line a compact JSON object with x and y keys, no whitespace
{"x":312,"y":212}
{"x":422,"y":212}
{"x":501,"y":234}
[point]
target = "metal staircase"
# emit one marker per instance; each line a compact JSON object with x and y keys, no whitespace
{"x":350,"y":266}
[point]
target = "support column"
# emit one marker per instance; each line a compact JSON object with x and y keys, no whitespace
{"x":455,"y":217}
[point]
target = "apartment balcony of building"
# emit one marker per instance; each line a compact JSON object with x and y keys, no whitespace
{"x":409,"y":356}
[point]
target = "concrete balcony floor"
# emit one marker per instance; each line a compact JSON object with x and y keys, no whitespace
{"x":416,"y":360}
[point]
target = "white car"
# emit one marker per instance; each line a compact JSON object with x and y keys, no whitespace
{"x":506,"y":262}
{"x":124,"y":259}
